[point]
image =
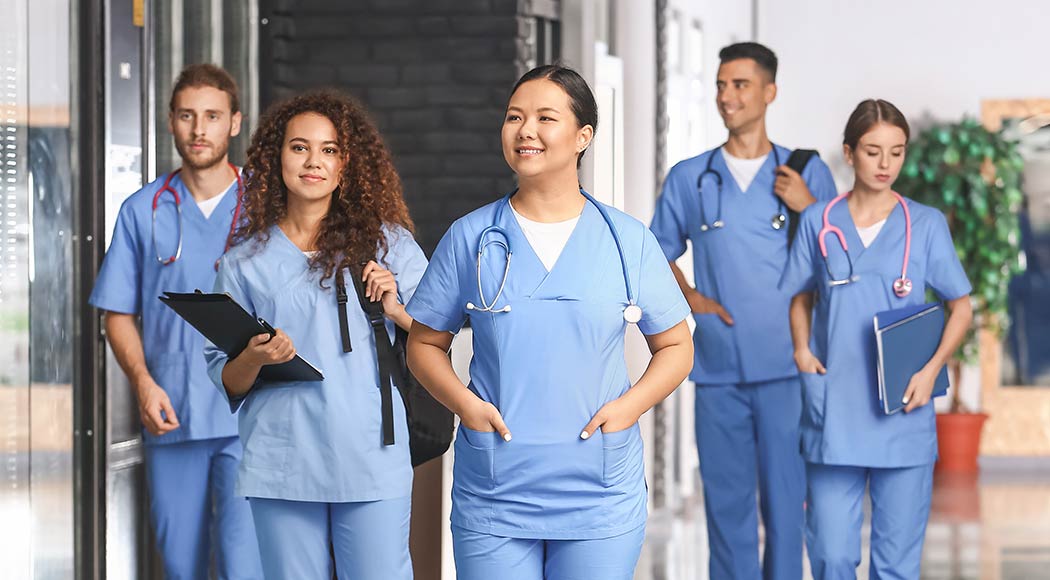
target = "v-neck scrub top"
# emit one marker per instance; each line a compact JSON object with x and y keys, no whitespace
{"x":316,"y":440}
{"x":548,"y":365}
{"x":131,"y":279}
{"x":842,"y":421}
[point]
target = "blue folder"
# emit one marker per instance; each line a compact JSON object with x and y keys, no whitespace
{"x":906,"y":339}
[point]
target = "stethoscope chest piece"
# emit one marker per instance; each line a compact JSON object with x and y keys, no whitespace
{"x":632,"y":314}
{"x":778,"y":221}
{"x":902,"y":287}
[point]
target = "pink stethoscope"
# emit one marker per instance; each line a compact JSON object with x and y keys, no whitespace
{"x":901,"y":286}
{"x":178,"y":209}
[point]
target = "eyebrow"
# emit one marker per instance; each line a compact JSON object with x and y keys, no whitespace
{"x":304,"y":140}
{"x":185,"y":110}
{"x":540,"y":110}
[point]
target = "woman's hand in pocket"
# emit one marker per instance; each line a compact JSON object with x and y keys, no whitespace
{"x":484,"y":417}
{"x":616,"y":415}
{"x":807,"y":362}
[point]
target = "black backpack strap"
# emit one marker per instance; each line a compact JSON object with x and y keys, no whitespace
{"x":389,"y":369}
{"x":797,"y":161}
{"x":341,"y":298}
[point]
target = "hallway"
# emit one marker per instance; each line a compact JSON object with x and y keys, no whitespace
{"x":993,"y":527}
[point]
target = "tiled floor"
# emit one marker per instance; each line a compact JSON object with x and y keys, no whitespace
{"x":995,"y":527}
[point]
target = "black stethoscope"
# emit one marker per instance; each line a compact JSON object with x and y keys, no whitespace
{"x":778,"y":221}
{"x":178,"y":210}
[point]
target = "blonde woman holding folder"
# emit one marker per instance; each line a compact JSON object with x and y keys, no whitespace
{"x":867,"y":251}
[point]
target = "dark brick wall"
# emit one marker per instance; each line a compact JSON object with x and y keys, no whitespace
{"x":434,"y":73}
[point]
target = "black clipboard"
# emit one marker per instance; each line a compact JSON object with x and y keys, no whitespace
{"x":229,"y":326}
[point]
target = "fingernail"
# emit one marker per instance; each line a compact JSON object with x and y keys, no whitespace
{"x":584,"y":435}
{"x":506,"y":437}
{"x":905,"y":400}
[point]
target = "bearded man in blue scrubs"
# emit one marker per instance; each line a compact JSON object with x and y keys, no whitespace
{"x":731,"y":203}
{"x":169,"y":236}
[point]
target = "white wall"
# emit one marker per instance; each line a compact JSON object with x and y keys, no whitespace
{"x":931,"y":58}
{"x":722,"y":23}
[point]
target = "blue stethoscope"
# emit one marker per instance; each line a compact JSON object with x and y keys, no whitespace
{"x":632,"y":313}
{"x":778,"y":221}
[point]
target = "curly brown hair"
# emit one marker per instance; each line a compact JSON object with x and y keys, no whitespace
{"x":367,"y":198}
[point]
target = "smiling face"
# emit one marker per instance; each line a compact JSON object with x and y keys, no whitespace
{"x":744,"y":92}
{"x":202,"y":124}
{"x":312,"y":161}
{"x":541,"y":134}
{"x":878,"y":158}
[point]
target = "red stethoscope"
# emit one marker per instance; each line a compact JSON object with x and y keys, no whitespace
{"x":178,"y":209}
{"x":901,"y":286}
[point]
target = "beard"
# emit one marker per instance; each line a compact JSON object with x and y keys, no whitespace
{"x":206,"y":159}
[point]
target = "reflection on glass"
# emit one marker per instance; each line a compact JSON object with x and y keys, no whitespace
{"x":1026,"y":359}
{"x":36,"y":497}
{"x":15,"y":507}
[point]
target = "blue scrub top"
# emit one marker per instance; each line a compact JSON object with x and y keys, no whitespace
{"x":842,"y":421}
{"x":131,"y":280}
{"x":316,"y":440}
{"x":548,"y":365}
{"x":738,"y":265}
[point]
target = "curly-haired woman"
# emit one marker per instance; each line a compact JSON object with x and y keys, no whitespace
{"x":322,"y":203}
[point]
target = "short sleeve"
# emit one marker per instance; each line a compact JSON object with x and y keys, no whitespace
{"x":669,"y":220}
{"x":437,"y":300}
{"x":118,"y":286}
{"x":216,"y":359}
{"x":800,"y":272}
{"x":819,"y":180}
{"x":406,"y":260}
{"x":659,"y":295}
{"x":944,"y":271}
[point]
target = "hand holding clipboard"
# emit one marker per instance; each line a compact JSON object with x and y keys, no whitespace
{"x":231,"y":328}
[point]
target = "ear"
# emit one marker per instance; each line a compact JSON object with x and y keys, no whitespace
{"x":171,"y":122}
{"x":584,"y":137}
{"x":770,"y":93}
{"x":235,"y":124}
{"x":847,"y":152}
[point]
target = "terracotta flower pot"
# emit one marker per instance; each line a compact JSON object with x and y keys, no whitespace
{"x":959,"y":441}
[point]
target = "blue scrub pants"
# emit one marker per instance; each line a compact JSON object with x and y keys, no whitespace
{"x":900,"y":507}
{"x":195,"y":511}
{"x":485,"y":557}
{"x":370,"y":539}
{"x":748,"y":438}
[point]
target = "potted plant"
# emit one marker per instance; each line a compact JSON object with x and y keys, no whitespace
{"x":973,"y":175}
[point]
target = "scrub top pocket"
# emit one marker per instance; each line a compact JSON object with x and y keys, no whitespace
{"x":169,"y":371}
{"x":715,"y":345}
{"x":621,"y":455}
{"x":475,"y":451}
{"x":814,"y":399}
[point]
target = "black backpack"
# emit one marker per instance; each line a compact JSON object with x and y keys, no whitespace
{"x":797,"y":161}
{"x":430,"y":424}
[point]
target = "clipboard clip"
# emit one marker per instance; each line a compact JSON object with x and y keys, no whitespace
{"x":269,"y":329}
